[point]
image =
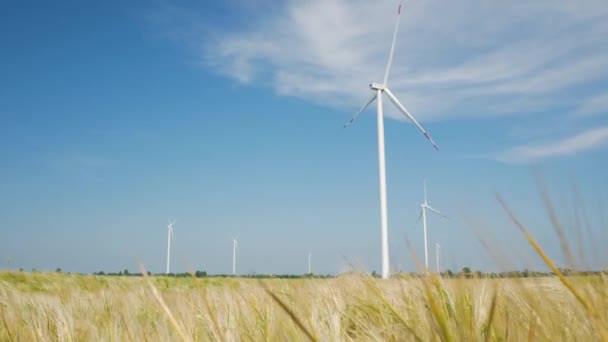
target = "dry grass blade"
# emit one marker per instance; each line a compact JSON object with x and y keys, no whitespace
{"x":8,"y":331}
{"x":436,"y":310}
{"x":215,"y":324}
{"x":556,"y":225}
{"x":586,"y":304}
{"x":288,"y":311}
{"x":124,"y":323}
{"x":487,"y":327}
{"x":580,"y":200}
{"x":506,"y":337}
{"x":394,"y":312}
{"x":215,"y":327}
{"x":162,"y":303}
{"x":532,"y":328}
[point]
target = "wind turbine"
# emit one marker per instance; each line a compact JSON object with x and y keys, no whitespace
{"x":309,"y":264}
{"x":169,"y":239}
{"x":379,"y":89}
{"x":423,"y":207}
{"x":235,"y":248}
{"x":437,"y":251}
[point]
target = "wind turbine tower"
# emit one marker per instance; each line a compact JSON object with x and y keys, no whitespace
{"x":423,"y":207}
{"x":169,"y":239}
{"x":235,"y":248}
{"x":378,"y":89}
{"x":437,"y":251}
{"x":309,"y":264}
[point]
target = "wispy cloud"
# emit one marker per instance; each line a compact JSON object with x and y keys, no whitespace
{"x":594,"y":105}
{"x":581,"y":142}
{"x":453,"y":59}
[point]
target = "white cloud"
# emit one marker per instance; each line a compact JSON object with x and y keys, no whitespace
{"x":454,"y":58}
{"x":581,"y":142}
{"x":593,"y":105}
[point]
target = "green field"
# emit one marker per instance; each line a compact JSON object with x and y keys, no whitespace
{"x":52,"y":307}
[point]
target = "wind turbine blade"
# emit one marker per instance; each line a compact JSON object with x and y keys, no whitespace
{"x":419,"y":217}
{"x":408,"y":115}
{"x":390,"y":55}
{"x":435,"y":211}
{"x":371,"y":99}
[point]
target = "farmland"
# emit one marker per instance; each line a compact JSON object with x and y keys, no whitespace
{"x":70,"y":307}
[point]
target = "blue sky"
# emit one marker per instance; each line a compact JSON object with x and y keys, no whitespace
{"x":228,"y":117}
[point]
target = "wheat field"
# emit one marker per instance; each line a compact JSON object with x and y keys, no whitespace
{"x":61,"y":307}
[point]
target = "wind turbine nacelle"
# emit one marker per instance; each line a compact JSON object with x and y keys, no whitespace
{"x":377,"y":86}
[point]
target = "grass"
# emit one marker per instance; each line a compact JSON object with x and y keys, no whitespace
{"x":84,"y":308}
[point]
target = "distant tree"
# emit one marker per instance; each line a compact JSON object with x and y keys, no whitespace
{"x":58,"y":270}
{"x":466,"y":270}
{"x":125,"y":272}
{"x":449,"y":273}
{"x":200,"y":274}
{"x":20,"y":269}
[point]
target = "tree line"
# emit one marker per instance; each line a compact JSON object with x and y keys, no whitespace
{"x":466,"y":272}
{"x":203,"y":274}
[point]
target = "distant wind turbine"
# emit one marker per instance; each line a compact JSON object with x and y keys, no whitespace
{"x":378,"y":89}
{"x":235,"y":248}
{"x":169,"y":239}
{"x":309,"y":264}
{"x":437,"y":251}
{"x":423,"y":207}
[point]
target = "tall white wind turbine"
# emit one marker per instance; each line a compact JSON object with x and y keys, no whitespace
{"x":235,"y":249}
{"x":423,"y":207}
{"x":169,"y":239}
{"x":379,"y":89}
{"x":437,"y":252}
